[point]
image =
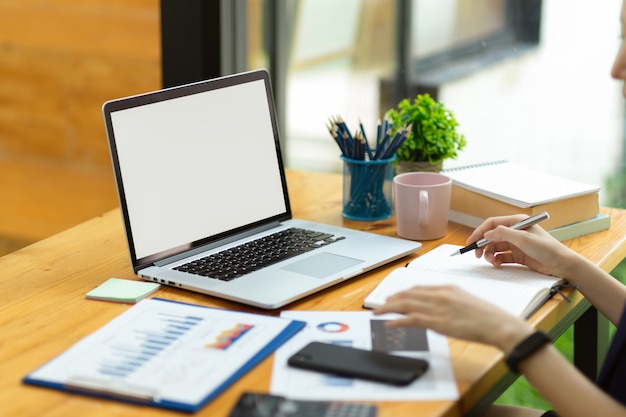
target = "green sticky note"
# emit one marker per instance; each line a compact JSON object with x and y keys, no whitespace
{"x":122,"y":290}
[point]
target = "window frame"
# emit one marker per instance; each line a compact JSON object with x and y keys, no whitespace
{"x":520,"y":34}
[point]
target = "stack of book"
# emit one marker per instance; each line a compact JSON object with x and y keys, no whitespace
{"x":502,"y":188}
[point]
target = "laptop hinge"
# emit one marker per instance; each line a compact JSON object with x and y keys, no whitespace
{"x":216,"y":244}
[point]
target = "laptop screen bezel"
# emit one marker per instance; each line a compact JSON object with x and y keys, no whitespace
{"x":112,"y":106}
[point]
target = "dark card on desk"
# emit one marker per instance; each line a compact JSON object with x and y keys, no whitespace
{"x":385,"y":339}
{"x":265,"y":405}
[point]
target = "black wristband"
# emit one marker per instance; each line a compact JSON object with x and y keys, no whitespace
{"x":526,"y":348}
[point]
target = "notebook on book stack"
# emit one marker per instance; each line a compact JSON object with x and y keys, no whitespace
{"x":503,"y":187}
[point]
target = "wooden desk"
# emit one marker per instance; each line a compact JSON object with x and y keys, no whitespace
{"x":43,"y":310}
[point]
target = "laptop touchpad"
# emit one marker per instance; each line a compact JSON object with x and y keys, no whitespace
{"x":322,"y":265}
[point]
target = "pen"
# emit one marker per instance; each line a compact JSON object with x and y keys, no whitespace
{"x":524,"y":224}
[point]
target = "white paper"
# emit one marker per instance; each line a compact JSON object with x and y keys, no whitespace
{"x":439,"y":259}
{"x":354,"y":328}
{"x":516,"y":184}
{"x":165,"y":350}
{"x":514,"y":288}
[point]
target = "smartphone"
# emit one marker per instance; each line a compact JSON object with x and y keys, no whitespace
{"x":358,"y":363}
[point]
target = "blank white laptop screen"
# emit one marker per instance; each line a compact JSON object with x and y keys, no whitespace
{"x":208,"y":135}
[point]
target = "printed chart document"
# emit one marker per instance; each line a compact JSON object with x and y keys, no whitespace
{"x":166,"y":354}
{"x":361,"y":329}
{"x":514,"y":288}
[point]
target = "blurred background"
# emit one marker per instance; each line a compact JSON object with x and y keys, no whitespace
{"x":528,"y":80}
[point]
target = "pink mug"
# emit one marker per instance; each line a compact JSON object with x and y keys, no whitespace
{"x":422,"y":203}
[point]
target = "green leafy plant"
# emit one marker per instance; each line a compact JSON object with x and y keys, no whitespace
{"x":433,"y":135}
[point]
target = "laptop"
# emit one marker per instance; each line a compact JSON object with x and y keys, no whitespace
{"x":201,"y":182}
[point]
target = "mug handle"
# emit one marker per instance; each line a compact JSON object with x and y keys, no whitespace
{"x":423,"y":208}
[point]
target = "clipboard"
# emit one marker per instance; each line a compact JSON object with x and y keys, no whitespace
{"x":166,"y":354}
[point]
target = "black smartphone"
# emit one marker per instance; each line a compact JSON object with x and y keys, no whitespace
{"x":358,"y":363}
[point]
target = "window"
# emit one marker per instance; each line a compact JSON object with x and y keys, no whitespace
{"x":464,"y":37}
{"x":527,"y":79}
{"x":358,"y":58}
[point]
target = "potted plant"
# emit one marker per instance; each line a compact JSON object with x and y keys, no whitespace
{"x":433,"y":136}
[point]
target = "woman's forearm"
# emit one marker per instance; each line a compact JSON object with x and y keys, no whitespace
{"x":606,"y":293}
{"x":568,"y":391}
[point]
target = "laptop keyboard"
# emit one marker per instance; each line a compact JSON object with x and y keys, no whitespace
{"x":251,"y":256}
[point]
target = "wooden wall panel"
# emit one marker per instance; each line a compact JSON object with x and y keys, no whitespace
{"x":93,"y":27}
{"x":60,"y":60}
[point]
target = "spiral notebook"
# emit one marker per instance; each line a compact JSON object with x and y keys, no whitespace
{"x":516,"y":184}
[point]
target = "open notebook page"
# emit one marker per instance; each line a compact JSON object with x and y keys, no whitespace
{"x":515,"y":289}
{"x":439,"y":259}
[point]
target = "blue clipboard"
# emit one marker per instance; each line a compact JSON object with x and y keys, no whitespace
{"x":146,"y":397}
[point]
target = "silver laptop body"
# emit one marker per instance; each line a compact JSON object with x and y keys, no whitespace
{"x":199,"y":170}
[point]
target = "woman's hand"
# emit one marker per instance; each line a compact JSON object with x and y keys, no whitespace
{"x":452,"y":311}
{"x":533,"y":247}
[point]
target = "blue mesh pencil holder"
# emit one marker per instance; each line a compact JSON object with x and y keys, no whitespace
{"x":367,"y":188}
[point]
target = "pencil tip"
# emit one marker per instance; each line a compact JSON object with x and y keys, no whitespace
{"x":455,"y":253}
